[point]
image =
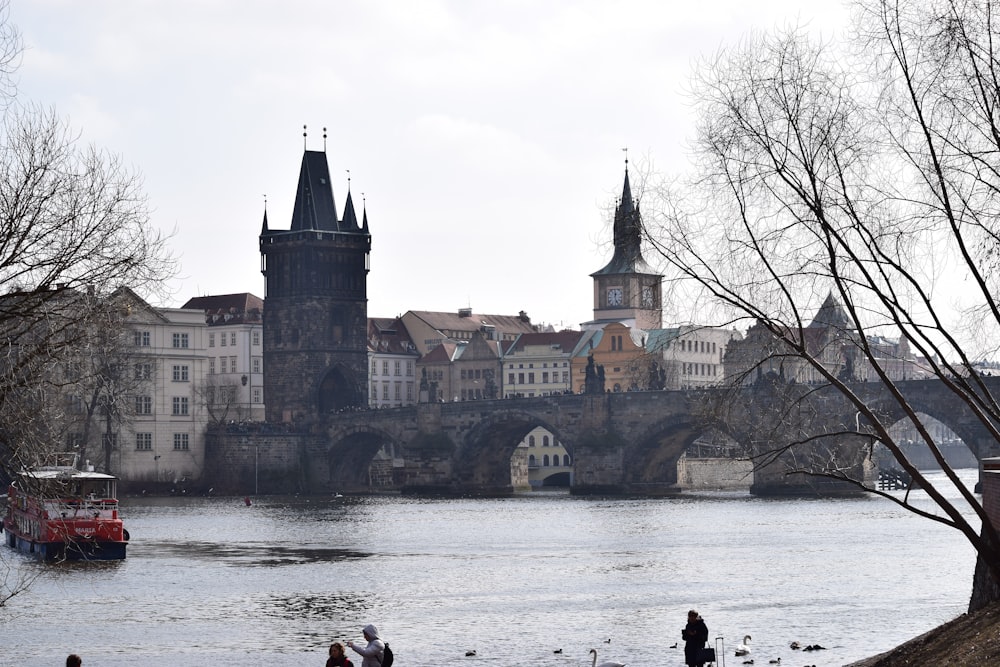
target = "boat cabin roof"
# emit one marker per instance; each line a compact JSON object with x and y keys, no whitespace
{"x":65,"y":472}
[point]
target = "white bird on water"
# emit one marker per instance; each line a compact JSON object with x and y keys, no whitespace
{"x":609,"y":663}
{"x":743,"y":649}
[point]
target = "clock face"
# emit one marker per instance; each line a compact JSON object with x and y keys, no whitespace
{"x":647,"y":297}
{"x":614,"y":296}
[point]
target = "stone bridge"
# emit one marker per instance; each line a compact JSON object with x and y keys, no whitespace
{"x":621,"y":443}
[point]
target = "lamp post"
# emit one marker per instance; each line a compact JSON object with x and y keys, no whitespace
{"x":255,"y":457}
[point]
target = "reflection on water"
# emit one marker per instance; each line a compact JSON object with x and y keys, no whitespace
{"x":209,"y":581}
{"x":250,"y":555}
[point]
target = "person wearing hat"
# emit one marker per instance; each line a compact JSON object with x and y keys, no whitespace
{"x":372,"y":653}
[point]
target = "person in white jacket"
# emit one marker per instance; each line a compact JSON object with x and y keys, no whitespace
{"x":372,"y":653}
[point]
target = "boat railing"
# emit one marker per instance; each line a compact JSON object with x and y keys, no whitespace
{"x":82,"y":508}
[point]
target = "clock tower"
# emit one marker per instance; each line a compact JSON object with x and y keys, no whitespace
{"x":627,"y":289}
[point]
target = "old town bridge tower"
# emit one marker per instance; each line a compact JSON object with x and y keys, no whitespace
{"x":315,"y":303}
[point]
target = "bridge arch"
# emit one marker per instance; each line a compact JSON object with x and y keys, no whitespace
{"x":943,"y":409}
{"x":484,"y":459}
{"x":362,"y":458}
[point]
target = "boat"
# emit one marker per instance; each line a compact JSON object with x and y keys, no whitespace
{"x":58,"y":512}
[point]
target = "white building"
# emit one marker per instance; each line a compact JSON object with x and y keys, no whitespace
{"x":233,"y":389}
{"x":540,"y":364}
{"x":692,"y":356}
{"x":392,"y":360}
{"x":165,"y":441}
{"x":549,"y":464}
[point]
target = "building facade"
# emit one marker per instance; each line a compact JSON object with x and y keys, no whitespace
{"x":233,"y":389}
{"x":392,"y":357}
{"x":164,"y":442}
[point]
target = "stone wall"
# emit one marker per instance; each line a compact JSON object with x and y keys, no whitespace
{"x":714,"y":473}
{"x":266,"y":461}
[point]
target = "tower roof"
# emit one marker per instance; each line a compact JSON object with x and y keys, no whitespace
{"x":627,"y":237}
{"x":832,"y":315}
{"x":314,"y":205}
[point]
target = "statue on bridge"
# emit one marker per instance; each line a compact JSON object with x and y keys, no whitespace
{"x":593,"y":377}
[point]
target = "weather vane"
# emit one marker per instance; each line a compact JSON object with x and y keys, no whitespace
{"x":626,"y":155}
{"x":304,"y":147}
{"x":324,"y":139}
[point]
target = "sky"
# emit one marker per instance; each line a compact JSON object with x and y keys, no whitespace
{"x":484,"y":139}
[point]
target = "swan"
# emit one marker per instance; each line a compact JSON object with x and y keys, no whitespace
{"x":609,"y":663}
{"x":743,"y":649}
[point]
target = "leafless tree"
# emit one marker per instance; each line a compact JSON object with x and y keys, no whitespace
{"x":74,"y":228}
{"x":869,"y":169}
{"x":221,"y":400}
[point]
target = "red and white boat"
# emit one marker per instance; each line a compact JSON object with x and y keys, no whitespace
{"x":61,"y":513}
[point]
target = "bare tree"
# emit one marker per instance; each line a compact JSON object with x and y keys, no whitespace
{"x":74,"y":228}
{"x":221,"y":400}
{"x":871,"y":173}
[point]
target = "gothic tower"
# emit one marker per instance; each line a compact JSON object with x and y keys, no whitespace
{"x":628,"y":290}
{"x":315,"y":303}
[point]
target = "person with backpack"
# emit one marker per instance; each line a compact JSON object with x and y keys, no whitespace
{"x":376,"y":653}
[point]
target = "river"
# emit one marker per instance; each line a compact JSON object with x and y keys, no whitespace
{"x":209,"y":581}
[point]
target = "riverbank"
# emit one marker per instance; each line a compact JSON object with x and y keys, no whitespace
{"x":971,"y":640}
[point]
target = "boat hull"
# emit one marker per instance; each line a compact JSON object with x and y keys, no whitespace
{"x":74,"y":550}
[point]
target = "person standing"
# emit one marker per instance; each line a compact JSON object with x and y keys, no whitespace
{"x":372,"y":653}
{"x":695,"y":635}
{"x":337,"y":657}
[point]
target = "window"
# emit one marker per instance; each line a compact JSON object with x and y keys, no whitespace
{"x":520,"y":378}
{"x":181,"y":441}
{"x":409,"y":391}
{"x":374,"y":391}
{"x":143,"y":371}
{"x":180,"y":373}
{"x":181,"y":340}
{"x":180,"y":405}
{"x":143,"y":405}
{"x":545,"y":461}
{"x":109,"y":441}
{"x":232,"y":338}
{"x":222,"y":364}
{"x":399,"y":368}
{"x":222,"y":340}
{"x":399,"y":391}
{"x":211,"y":365}
{"x":232,"y":365}
{"x":256,"y":395}
{"x":256,"y":338}
{"x":374,"y":367}
{"x":256,"y":364}
{"x":385,"y":368}
{"x":141,"y":338}
{"x":409,"y":369}
{"x":144,"y":441}
{"x":510,"y":378}
{"x":211,"y":340}
{"x":545,"y":441}
{"x":531,"y":378}
{"x":385,"y":391}
{"x":531,"y":441}
{"x":545,"y":377}
{"x":566,"y":460}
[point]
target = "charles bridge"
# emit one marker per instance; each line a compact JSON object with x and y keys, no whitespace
{"x":621,"y":443}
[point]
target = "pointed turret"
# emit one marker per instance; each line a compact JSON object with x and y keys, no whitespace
{"x":263,"y":227}
{"x":350,"y":221}
{"x":364,"y":217}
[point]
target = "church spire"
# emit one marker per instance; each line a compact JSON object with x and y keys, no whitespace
{"x":627,"y":236}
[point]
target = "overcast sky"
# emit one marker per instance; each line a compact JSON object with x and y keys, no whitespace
{"x":485,"y":137}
